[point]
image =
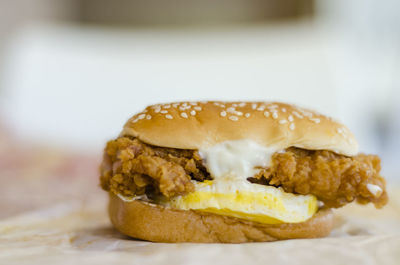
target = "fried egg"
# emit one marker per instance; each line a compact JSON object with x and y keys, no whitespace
{"x":230,"y":163}
{"x":248,"y":201}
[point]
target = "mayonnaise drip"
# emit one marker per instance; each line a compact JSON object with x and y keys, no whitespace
{"x":238,"y":159}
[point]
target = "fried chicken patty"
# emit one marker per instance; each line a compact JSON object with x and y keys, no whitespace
{"x":131,"y":167}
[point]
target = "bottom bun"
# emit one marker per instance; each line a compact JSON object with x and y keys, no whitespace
{"x":147,"y":221}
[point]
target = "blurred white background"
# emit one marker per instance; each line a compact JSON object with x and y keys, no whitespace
{"x":72,"y":72}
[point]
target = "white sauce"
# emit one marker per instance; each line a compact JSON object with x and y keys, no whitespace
{"x":374,"y":189}
{"x":236,"y":159}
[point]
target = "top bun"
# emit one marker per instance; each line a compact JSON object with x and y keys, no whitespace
{"x":196,"y":125}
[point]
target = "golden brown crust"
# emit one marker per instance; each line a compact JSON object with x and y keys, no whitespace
{"x":196,"y":125}
{"x":334,"y":179}
{"x":155,"y":223}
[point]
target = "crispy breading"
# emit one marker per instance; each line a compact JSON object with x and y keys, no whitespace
{"x":131,"y":167}
{"x":334,"y":179}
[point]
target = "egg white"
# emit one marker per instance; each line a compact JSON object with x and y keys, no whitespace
{"x":245,"y":200}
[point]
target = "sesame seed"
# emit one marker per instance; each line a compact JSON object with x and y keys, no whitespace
{"x":247,"y":115}
{"x":275,"y":115}
{"x":253,"y":105}
{"x":184,"y":115}
{"x":343,"y":133}
{"x":223,"y":113}
{"x":168,"y":117}
{"x":164,"y":111}
{"x":266,"y":114}
{"x":135,"y":120}
{"x":292,"y":126}
{"x":290,"y":118}
{"x":231,"y":110}
{"x":175,"y":105}
{"x":283,"y":110}
{"x":272,"y":106}
{"x":234,"y":105}
{"x":216,"y":103}
{"x":261,"y":108}
{"x":282,"y":121}
{"x":239,"y":113}
{"x":167,"y":106}
{"x":145,"y":111}
{"x":193,"y":113}
{"x":242,"y":104}
{"x":298,"y":115}
{"x":197,"y":108}
{"x":233,"y":118}
{"x":316,"y":120}
{"x":305,"y":113}
{"x":157,"y":110}
{"x":184,"y":104}
{"x":141,"y":116}
{"x":148,"y":116}
{"x":193,"y":103}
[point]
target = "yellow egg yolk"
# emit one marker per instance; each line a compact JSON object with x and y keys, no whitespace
{"x":248,"y":201}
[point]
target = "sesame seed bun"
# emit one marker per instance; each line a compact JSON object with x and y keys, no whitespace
{"x":196,"y":125}
{"x":156,"y":223}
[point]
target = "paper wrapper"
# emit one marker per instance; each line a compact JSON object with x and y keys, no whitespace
{"x":63,"y":220}
{"x":76,"y":230}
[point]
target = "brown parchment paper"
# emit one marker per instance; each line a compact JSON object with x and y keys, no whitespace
{"x":53,"y":212}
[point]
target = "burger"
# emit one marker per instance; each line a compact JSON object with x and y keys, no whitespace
{"x":234,"y":172}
